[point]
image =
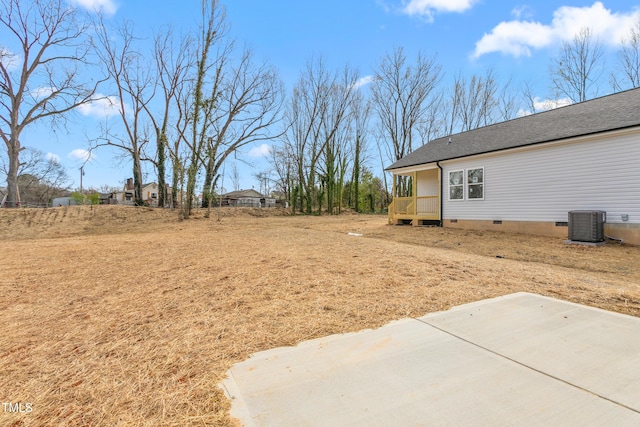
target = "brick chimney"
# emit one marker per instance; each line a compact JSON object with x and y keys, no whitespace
{"x":129,"y":185}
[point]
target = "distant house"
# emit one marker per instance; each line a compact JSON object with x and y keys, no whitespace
{"x":526,"y":174}
{"x":247,"y":198}
{"x":107,"y":199}
{"x":150,"y":193}
{"x":127,"y":195}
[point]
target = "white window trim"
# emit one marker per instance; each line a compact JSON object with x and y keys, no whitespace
{"x":466,"y":184}
{"x":460,"y":185}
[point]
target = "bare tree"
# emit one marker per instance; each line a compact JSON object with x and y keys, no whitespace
{"x":303,"y":119}
{"x":248,"y":106}
{"x":172,"y":60}
{"x":44,"y":79}
{"x":629,"y":60}
{"x":360,"y":116}
{"x":208,"y":78}
{"x":434,"y":123}
{"x":530,"y":99}
{"x":317,"y":111}
{"x":337,"y":139}
{"x":235,"y":177}
{"x":477,"y":101}
{"x":402,"y":98}
{"x":39,"y":178}
{"x":178,"y":149}
{"x":577,"y":68}
{"x":473,"y":103}
{"x":134,"y":83}
{"x":282,"y":163}
{"x":263,"y":178}
{"x":508,"y":101}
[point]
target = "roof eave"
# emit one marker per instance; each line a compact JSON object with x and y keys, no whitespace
{"x":548,"y":141}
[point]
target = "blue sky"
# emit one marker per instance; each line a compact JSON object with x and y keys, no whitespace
{"x":516,"y":39}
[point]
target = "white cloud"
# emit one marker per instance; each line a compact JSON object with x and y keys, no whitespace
{"x":82,"y":154}
{"x":261,"y":151}
{"x":107,"y":6}
{"x":383,"y":4}
{"x":363,"y":81}
{"x":42,"y":92}
{"x":519,"y":38}
{"x":428,"y":8}
{"x":101,"y":106}
{"x":10,"y":60}
{"x":522,"y":12}
{"x":515,"y":38}
{"x":53,"y":157}
{"x":545,"y":104}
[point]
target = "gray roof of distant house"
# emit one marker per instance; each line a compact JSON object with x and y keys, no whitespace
{"x":611,"y":112}
{"x":243,"y":193}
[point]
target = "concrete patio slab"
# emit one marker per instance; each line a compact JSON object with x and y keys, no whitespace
{"x":522,"y":360}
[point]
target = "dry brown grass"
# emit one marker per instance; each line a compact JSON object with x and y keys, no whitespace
{"x":119,"y":316}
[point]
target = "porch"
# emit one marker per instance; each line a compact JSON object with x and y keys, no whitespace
{"x":416,"y":198}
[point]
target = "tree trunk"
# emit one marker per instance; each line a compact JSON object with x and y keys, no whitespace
{"x":137,"y":179}
{"x":162,"y":188}
{"x":208,"y":180}
{"x":340,"y":187}
{"x":175,"y":178}
{"x":13,"y":199}
{"x":356,"y":175}
{"x":330,"y":179}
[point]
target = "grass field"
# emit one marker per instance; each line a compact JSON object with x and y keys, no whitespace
{"x":122,"y":316}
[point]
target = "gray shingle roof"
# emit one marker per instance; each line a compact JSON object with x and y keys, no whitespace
{"x":611,"y":112}
{"x":242,"y":193}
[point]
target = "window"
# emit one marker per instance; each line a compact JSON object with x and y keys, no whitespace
{"x":475,"y":183}
{"x":469,"y":182}
{"x":456,"y":185}
{"x":154,"y":195}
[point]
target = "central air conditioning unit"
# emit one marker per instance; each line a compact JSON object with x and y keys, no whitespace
{"x":587,"y":226}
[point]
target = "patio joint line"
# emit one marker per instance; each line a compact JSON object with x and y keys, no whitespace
{"x":528,"y":367}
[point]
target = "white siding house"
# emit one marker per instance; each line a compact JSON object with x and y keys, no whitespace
{"x":526,"y":174}
{"x":247,"y":198}
{"x":149,"y":194}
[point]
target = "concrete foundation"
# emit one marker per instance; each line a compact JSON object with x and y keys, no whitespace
{"x":628,"y":233}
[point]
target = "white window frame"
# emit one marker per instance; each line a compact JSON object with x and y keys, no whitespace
{"x":467,"y":183}
{"x":449,"y":185}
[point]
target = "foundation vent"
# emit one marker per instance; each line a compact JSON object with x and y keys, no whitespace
{"x":587,"y":226}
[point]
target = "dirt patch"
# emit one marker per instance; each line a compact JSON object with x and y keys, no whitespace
{"x":120,"y":316}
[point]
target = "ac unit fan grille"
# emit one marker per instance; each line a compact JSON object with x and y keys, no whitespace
{"x":586,"y":226}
